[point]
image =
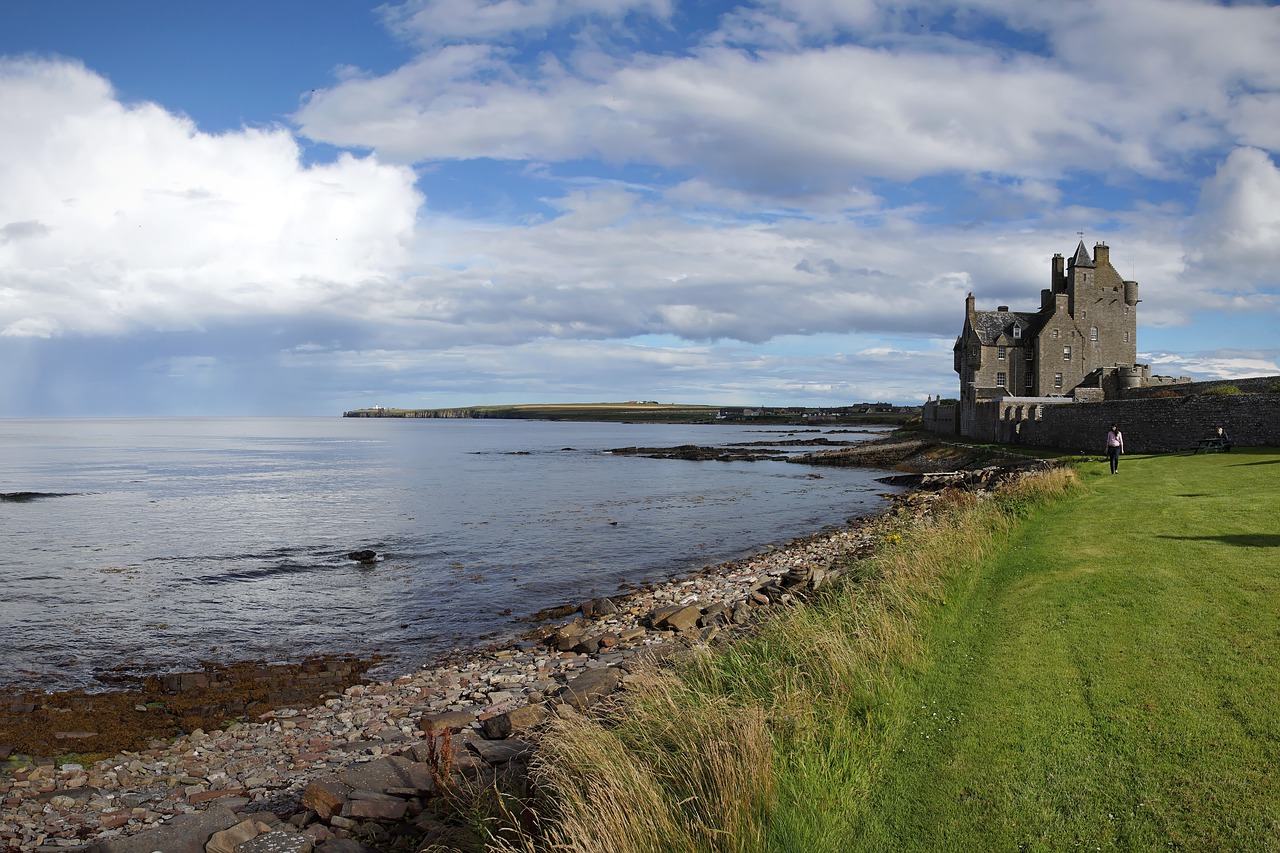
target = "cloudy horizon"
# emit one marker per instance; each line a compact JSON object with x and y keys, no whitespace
{"x":424,"y":204}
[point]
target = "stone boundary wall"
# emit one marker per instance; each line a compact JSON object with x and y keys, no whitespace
{"x":1252,"y":385}
{"x":1153,"y":425}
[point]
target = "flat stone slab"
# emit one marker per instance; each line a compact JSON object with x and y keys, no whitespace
{"x":500,"y":751}
{"x":278,"y":842}
{"x":588,"y":687}
{"x":384,"y":773}
{"x":183,"y":834}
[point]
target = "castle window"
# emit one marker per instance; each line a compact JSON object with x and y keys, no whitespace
{"x":1126,"y":337}
{"x":1001,"y":379}
{"x":1066,"y":353}
{"x":1093,"y":333}
{"x":1000,"y":352}
{"x":1126,"y":309}
{"x":1017,"y":332}
{"x":1057,"y":380}
{"x":1055,"y":334}
{"x":1031,"y":379}
{"x":1031,"y":354}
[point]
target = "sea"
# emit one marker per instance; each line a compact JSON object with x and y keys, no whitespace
{"x":136,"y":546}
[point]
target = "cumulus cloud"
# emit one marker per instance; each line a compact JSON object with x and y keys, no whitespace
{"x":124,"y":215}
{"x":1240,"y":211}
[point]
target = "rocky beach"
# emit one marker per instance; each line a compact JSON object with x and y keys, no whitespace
{"x":365,"y":765}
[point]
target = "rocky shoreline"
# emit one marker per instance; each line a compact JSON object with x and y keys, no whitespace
{"x":362,"y":770}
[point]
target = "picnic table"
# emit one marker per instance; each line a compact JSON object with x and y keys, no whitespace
{"x":1211,"y":445}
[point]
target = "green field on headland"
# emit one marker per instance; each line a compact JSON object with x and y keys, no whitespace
{"x":1086,"y":661}
{"x":664,"y":413}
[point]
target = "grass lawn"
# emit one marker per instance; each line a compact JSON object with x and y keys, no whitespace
{"x":1109,"y":680}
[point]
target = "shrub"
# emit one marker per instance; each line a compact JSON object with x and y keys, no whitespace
{"x":1224,"y":391}
{"x":1274,"y":387}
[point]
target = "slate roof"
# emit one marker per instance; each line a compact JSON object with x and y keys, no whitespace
{"x":990,"y":325}
{"x":1081,"y":257}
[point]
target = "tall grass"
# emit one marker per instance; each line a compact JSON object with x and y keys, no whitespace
{"x":773,"y":741}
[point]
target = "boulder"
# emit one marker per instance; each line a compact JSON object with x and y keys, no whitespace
{"x":503,"y":725}
{"x":588,"y":687}
{"x":681,"y":618}
{"x":227,"y":840}
{"x":326,"y":797}
{"x":364,"y":556}
{"x":451,"y":720}
{"x":381,"y":808}
{"x":587,"y":645}
{"x":599,"y":607}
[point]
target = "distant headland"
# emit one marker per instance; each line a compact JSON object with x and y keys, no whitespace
{"x":666,"y":413}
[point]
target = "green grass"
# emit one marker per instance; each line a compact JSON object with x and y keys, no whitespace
{"x":1090,"y":666}
{"x":1111,"y":680}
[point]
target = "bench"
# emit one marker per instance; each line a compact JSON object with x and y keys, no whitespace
{"x":1211,"y":445}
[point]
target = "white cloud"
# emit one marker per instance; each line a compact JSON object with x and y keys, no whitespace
{"x":1133,"y":86}
{"x":1215,"y":364}
{"x":1240,"y":211}
{"x":121,"y":215}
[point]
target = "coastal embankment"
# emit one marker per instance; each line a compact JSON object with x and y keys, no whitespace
{"x":385,"y":738}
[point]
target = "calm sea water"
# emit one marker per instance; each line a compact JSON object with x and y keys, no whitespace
{"x":164,"y":543}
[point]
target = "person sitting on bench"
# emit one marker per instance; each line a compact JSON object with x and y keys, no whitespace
{"x":1225,"y":439}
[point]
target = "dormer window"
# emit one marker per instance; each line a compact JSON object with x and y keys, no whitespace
{"x":1017,"y":332}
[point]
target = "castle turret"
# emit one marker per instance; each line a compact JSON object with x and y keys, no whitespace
{"x":1101,"y":254}
{"x":1131,"y":293}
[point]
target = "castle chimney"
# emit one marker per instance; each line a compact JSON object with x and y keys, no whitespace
{"x":1059,"y":273}
{"x":1101,"y":254}
{"x":1003,"y":308}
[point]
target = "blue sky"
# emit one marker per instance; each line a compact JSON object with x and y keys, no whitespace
{"x":305,"y":207}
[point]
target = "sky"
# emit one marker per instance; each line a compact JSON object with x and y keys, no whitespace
{"x":308,"y":206}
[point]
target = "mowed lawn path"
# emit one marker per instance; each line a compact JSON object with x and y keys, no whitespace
{"x":1111,"y":680}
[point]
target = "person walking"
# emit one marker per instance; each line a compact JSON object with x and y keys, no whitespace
{"x":1115,"y":446}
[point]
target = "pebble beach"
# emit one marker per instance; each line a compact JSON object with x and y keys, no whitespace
{"x":263,"y":774}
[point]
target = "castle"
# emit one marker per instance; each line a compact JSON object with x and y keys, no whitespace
{"x":1082,"y":344}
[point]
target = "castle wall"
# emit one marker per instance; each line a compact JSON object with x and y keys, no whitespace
{"x":1151,"y":425}
{"x":939,"y":418}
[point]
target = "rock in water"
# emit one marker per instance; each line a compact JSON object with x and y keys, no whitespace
{"x":365,"y":556}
